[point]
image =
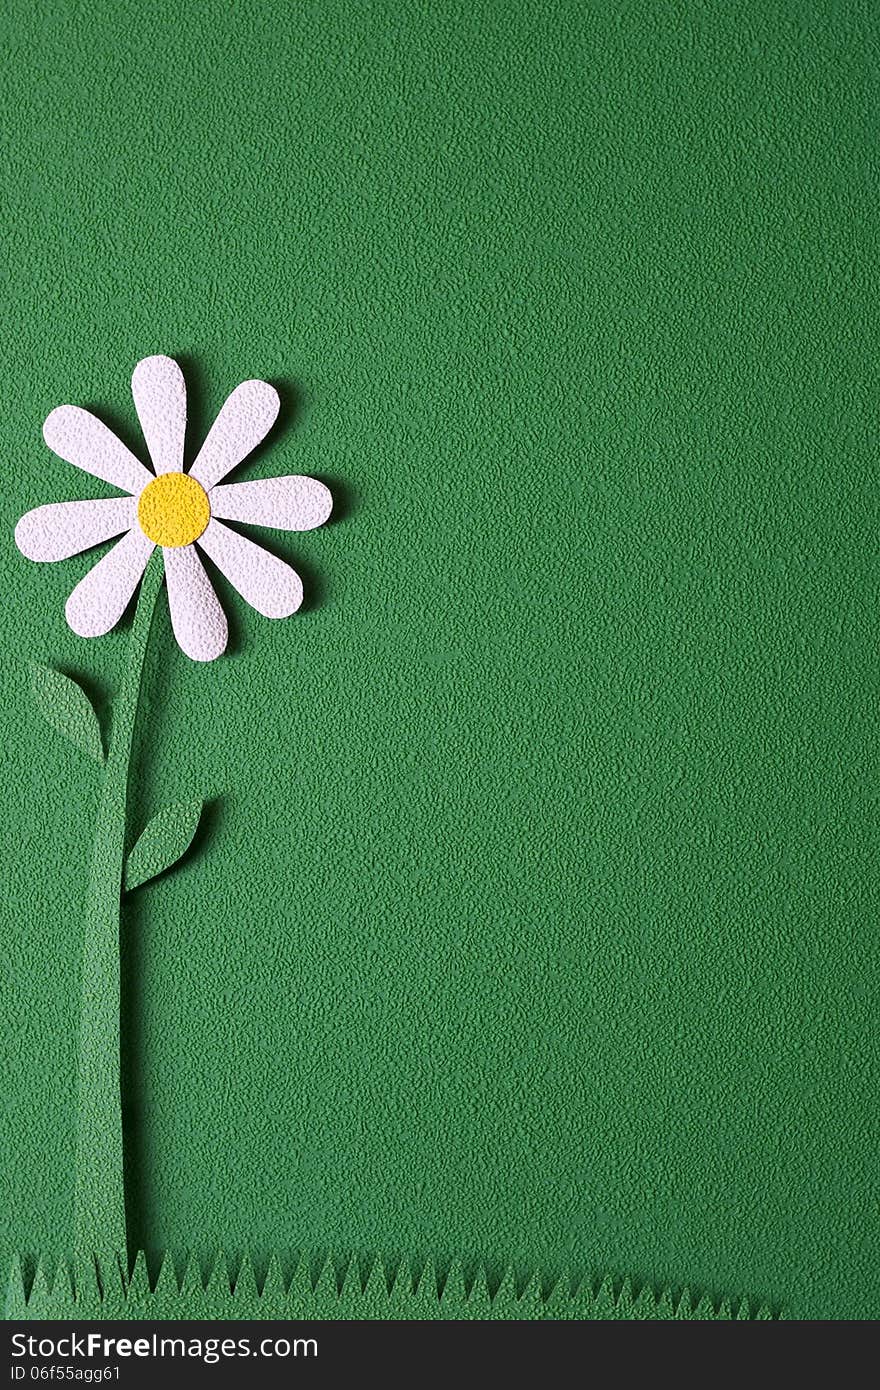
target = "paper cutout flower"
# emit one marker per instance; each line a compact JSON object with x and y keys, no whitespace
{"x":179,"y":514}
{"x":175,"y":510}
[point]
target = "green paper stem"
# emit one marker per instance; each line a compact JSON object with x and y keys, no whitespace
{"x":99,"y":1214}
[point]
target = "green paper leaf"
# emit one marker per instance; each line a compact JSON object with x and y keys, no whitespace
{"x":68,"y":709}
{"x":164,"y":841}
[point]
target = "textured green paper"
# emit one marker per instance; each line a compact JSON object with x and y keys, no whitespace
{"x":351,"y":1289}
{"x":162,"y":842}
{"x":68,"y":709}
{"x":536,"y":919}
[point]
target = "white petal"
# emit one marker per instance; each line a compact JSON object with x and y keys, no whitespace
{"x":294,"y":503}
{"x":99,"y":601}
{"x":264,"y":581}
{"x":198,"y":620}
{"x":62,"y":529}
{"x":79,"y":437}
{"x":246,"y":417}
{"x":159,"y":393}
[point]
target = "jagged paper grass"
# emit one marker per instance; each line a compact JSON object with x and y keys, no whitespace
{"x":346,"y":1290}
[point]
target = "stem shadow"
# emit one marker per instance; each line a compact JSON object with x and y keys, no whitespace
{"x":139,"y":1154}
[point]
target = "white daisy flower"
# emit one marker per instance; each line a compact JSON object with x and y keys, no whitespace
{"x":181,"y":512}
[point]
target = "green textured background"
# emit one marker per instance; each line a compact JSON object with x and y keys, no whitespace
{"x":537,"y":916}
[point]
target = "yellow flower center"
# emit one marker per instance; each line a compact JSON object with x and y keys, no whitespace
{"x":173,"y":509}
